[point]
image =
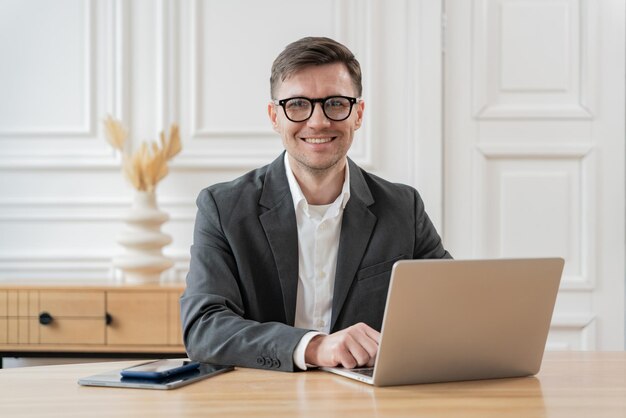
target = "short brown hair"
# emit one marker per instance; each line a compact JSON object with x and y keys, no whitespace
{"x":313,"y":51}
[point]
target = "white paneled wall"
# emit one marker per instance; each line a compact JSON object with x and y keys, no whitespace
{"x":206,"y":65}
{"x":535,"y":149}
{"x":534,"y":125}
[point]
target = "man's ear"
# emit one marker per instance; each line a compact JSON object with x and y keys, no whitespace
{"x":271,"y":112}
{"x":360,"y":108}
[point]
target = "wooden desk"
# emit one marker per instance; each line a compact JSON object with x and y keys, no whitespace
{"x":569,"y":385}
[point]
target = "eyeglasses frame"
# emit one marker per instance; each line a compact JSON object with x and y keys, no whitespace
{"x":321,"y":101}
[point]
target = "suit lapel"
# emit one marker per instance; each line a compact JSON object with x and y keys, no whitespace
{"x":356,"y":228}
{"x":279,"y":224}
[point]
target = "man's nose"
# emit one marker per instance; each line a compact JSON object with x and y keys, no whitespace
{"x":318,"y":118}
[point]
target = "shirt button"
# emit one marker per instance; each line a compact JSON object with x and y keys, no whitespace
{"x":320,"y":323}
{"x":321,"y":275}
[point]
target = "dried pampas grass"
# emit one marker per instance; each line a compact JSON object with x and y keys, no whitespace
{"x":148,"y":164}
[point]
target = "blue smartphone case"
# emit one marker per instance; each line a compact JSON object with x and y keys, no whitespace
{"x":154,"y":375}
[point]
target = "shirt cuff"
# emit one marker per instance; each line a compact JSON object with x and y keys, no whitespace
{"x":298,"y":353}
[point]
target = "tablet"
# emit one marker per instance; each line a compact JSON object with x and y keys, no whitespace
{"x":115,"y":379}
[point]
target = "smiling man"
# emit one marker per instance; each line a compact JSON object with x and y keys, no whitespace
{"x":290,"y":263}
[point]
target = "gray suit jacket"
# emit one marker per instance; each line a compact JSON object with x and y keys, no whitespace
{"x":240,"y":301}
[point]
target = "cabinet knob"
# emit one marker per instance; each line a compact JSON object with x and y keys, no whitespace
{"x":108,"y":318}
{"x":45,"y":318}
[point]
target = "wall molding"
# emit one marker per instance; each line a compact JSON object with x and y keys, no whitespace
{"x":82,"y":147}
{"x":524,"y":150}
{"x":585,"y":154}
{"x":87,"y":129}
{"x":234,"y":147}
{"x":77,"y":266}
{"x":493,"y":102}
{"x":583,"y":326}
{"x":108,"y":161}
{"x":86,"y":210}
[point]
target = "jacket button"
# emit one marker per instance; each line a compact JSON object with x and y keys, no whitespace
{"x":259,"y":361}
{"x":276,"y":363}
{"x":268,"y":362}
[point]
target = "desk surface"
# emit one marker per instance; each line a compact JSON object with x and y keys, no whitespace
{"x":573,"y":384}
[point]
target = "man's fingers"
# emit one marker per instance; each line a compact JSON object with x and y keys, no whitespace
{"x":366,"y":330}
{"x":362,"y":342}
{"x":367,"y":337}
{"x":373,"y":334}
{"x":351,"y":347}
{"x":347,"y":360}
{"x":360,"y":354}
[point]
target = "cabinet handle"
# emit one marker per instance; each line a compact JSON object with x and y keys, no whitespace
{"x":45,"y":318}
{"x":108,"y":318}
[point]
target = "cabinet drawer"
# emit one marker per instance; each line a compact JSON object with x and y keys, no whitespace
{"x":72,"y":304}
{"x":77,"y":317}
{"x":73,"y":331}
{"x":4,"y":331}
{"x":137,"y":318}
{"x":4,"y":304}
{"x":175,"y":329}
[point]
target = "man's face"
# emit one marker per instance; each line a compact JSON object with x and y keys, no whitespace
{"x":318,"y":144}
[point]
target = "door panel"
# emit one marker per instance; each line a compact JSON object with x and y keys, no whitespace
{"x":534,"y":149}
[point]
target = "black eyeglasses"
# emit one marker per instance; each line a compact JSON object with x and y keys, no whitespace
{"x":299,"y":109}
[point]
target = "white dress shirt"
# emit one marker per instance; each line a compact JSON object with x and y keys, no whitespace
{"x":319,"y":228}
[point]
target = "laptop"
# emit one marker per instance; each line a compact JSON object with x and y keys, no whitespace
{"x":452,"y":320}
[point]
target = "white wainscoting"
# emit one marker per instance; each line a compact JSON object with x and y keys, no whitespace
{"x":206,"y":65}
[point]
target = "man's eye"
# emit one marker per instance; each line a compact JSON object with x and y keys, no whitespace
{"x":297,"y":104}
{"x":336,"y":103}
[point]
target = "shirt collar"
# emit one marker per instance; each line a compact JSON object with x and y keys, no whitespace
{"x":298,"y":196}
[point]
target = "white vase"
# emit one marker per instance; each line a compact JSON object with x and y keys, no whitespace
{"x":142,"y":260}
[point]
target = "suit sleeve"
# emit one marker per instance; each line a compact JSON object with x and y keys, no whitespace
{"x":427,"y":241}
{"x":215,"y":329}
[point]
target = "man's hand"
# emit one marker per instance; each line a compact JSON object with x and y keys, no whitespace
{"x":350,"y":347}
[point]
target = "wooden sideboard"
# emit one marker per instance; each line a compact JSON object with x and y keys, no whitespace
{"x":107,"y":319}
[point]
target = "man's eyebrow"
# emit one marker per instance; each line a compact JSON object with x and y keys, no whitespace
{"x":319,"y":97}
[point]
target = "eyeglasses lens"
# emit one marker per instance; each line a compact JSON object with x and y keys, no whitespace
{"x":335,"y":108}
{"x":298,"y":109}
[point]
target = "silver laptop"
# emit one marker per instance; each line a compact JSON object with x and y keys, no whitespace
{"x":450,"y":320}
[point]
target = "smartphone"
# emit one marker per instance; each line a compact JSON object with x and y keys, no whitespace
{"x":159,"y":369}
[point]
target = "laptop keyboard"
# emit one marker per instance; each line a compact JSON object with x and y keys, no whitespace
{"x":366,"y":371}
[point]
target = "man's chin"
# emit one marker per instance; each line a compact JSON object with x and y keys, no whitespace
{"x":319,"y":167}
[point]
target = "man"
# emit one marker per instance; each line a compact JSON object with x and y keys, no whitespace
{"x":290,"y":263}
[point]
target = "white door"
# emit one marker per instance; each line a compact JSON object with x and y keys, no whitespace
{"x":534,"y":149}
